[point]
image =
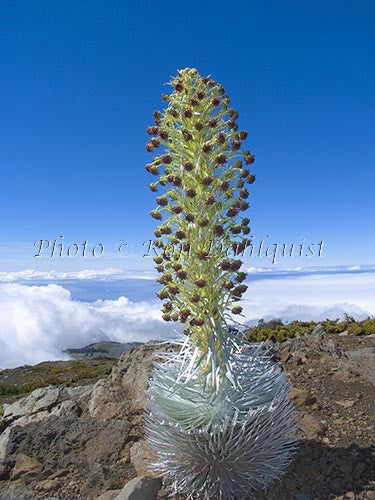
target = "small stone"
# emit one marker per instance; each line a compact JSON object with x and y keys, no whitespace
{"x":301,"y":398}
{"x":318,"y":330}
{"x":346,"y":404}
{"x":26,"y":466}
{"x":109,"y":495}
{"x":141,"y":456}
{"x":311,"y":427}
{"x":140,"y":488}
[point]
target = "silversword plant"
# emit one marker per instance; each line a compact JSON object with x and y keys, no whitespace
{"x":219,"y":417}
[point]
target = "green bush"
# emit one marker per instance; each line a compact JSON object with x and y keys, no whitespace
{"x":369,"y":326}
{"x":276,"y":330}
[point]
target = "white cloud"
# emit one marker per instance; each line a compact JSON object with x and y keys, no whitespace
{"x":39,"y":322}
{"x":85,"y":274}
{"x":312,"y":297}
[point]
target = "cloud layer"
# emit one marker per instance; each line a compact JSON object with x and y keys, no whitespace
{"x":39,"y":322}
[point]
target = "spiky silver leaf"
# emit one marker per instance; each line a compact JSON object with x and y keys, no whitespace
{"x":221,"y":440}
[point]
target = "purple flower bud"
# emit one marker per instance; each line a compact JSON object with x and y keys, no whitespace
{"x":162,"y":201}
{"x":152,"y":130}
{"x":188,"y":113}
{"x":163,"y":134}
{"x":188,"y":166}
{"x":218,"y":230}
{"x":187,"y":135}
{"x":241,"y":276}
{"x":232,"y":212}
{"x":156,"y":215}
{"x":180,"y":235}
{"x":249,"y":159}
{"x":165,"y":230}
{"x":176,"y":209}
{"x":232,"y":125}
{"x":200,"y":283}
{"x":206,"y":181}
{"x":149,"y":147}
{"x":157,"y":117}
{"x":226,"y":265}
{"x":235,"y":265}
{"x":215,"y":101}
{"x":224,"y":186}
{"x":191,"y":193}
{"x":203,"y":255}
{"x":198,"y":126}
{"x":228,"y":285}
{"x":239,"y":290}
{"x":174,"y":290}
{"x":167,"y":159}
{"x":177,"y":181}
{"x":197,"y":322}
{"x":203,"y":222}
{"x":250,"y":179}
{"x":179,"y":86}
{"x":221,"y":159}
{"x":220,"y":139}
{"x":237,"y":310}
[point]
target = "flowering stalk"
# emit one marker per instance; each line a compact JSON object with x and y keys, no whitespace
{"x":218,"y":415}
{"x":202,"y":174}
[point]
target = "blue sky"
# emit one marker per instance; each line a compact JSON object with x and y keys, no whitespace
{"x":80,"y":81}
{"x":79,"y":84}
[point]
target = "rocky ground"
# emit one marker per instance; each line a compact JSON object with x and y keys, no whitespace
{"x":86,"y":442}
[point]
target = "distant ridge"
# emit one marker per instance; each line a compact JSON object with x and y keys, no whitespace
{"x":101,"y":350}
